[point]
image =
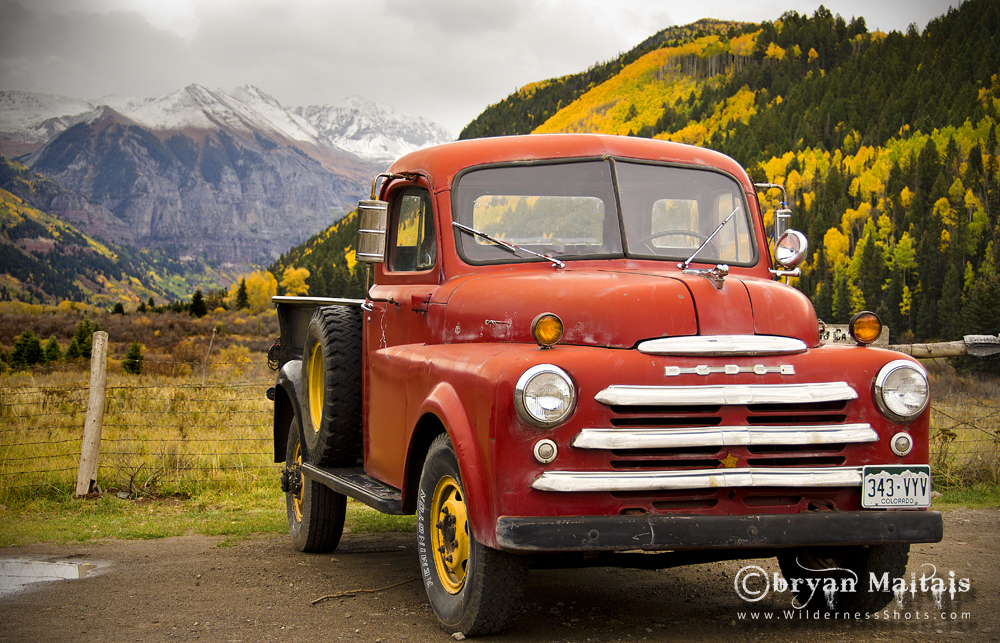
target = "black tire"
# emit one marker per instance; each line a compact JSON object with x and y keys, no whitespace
{"x":331,"y":386}
{"x":315,"y":512}
{"x":472,"y":589}
{"x":840,"y":563}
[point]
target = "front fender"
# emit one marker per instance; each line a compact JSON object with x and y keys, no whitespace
{"x":474,"y":452}
{"x":286,"y":405}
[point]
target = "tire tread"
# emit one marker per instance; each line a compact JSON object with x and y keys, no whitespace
{"x":340,"y":332}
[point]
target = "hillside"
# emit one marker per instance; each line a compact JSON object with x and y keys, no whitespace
{"x":329,"y":258}
{"x":533,"y":104}
{"x":887,"y":143}
{"x":45,"y":258}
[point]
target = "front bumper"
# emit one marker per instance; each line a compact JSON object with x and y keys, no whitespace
{"x":663,"y":533}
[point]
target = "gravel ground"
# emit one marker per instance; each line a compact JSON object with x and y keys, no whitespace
{"x":262,"y":590}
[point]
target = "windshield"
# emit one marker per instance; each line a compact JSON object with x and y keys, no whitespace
{"x":570,"y":211}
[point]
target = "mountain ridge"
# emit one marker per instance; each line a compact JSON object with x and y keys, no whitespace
{"x":33,"y":118}
{"x":233,"y":177}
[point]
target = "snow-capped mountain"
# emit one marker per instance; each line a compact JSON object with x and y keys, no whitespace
{"x":233,"y":177}
{"x":373,"y":131}
{"x":121,"y":104}
{"x":30,"y":118}
{"x":248,"y":110}
{"x":369,"y":130}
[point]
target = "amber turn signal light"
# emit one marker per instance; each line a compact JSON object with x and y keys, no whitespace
{"x":865,"y":327}
{"x":547,"y":329}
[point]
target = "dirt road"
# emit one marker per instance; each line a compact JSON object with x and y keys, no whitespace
{"x":262,"y":590}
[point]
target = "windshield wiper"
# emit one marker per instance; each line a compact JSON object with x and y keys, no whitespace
{"x":684,"y":265}
{"x":510,"y":247}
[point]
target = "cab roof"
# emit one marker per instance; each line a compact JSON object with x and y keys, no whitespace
{"x":441,"y":163}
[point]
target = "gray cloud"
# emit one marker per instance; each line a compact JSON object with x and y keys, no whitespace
{"x":443,"y":59}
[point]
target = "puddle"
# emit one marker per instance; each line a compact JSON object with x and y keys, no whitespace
{"x":16,"y":573}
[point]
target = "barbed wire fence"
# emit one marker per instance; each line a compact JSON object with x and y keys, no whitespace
{"x":158,"y":434}
{"x":214,"y":426}
{"x":965,"y":440}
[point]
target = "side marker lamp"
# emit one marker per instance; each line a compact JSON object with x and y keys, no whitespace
{"x":547,"y":329}
{"x":865,"y":327}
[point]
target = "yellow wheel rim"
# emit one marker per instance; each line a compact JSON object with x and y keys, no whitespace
{"x":316,"y":386}
{"x":450,"y":534}
{"x":297,"y":497}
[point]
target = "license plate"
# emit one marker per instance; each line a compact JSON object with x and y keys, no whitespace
{"x":896,"y":486}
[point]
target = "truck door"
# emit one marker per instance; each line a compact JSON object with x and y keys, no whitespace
{"x":398,"y":318}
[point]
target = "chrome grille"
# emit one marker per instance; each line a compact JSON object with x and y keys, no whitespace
{"x":674,"y":438}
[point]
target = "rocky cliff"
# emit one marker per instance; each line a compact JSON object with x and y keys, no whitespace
{"x":233,"y":178}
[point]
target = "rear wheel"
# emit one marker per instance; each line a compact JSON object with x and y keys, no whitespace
{"x":315,"y":512}
{"x":836,"y":567}
{"x":472,"y":588}
{"x":331,"y":381}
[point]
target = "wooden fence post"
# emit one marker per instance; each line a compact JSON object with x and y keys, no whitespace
{"x":86,"y":479}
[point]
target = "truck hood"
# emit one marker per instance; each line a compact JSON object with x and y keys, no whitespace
{"x":618,"y":309}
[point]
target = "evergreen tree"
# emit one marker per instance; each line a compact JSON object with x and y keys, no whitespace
{"x":841,"y":304}
{"x":52,"y":352}
{"x":892,"y":300}
{"x":27,"y":351}
{"x":119,"y":309}
{"x":132,"y":364}
{"x":84,"y":337}
{"x":242,"y":299}
{"x":979,"y":313}
{"x":198,"y":306}
{"x":73,"y":351}
{"x":870,"y":270}
{"x":950,"y":305}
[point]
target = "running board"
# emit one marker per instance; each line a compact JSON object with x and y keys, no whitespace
{"x":353,"y":482}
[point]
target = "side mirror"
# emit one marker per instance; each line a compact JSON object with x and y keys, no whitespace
{"x":791,"y":249}
{"x":372,"y":221}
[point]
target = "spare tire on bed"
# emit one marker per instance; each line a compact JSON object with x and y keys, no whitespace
{"x":331,"y":387}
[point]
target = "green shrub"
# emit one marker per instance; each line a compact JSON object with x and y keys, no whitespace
{"x":132,"y":363}
{"x":27,"y":351}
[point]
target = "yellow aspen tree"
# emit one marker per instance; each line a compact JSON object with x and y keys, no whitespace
{"x":261,"y":286}
{"x":293,"y":280}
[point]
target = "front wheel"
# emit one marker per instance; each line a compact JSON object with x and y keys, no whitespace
{"x":315,"y":512}
{"x":472,"y":588}
{"x":812,"y":571}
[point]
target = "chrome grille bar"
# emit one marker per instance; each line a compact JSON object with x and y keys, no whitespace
{"x":623,"y":395}
{"x":709,"y":345}
{"x":581,"y":481}
{"x":726,"y":436}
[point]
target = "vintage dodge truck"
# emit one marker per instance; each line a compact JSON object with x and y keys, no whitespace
{"x":577,"y":350}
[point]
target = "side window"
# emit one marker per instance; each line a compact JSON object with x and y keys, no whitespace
{"x":414,"y":247}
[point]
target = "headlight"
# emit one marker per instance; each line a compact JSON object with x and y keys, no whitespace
{"x":901,"y":390}
{"x":544,"y":396}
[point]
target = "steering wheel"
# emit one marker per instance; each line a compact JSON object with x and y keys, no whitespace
{"x":671,"y":233}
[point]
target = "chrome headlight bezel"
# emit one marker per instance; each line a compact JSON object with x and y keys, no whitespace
{"x":526,"y":396}
{"x":887,"y":391}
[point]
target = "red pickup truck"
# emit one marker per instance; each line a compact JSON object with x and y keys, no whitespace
{"x":576,"y":350}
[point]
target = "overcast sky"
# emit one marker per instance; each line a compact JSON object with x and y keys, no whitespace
{"x":446,"y":60}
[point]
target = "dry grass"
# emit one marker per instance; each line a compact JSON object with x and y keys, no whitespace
{"x":965,"y":428}
{"x":161,"y":435}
